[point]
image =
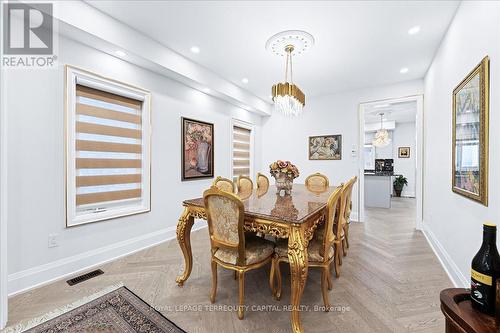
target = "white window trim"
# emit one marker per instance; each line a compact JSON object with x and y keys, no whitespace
{"x":251,"y":128}
{"x":73,"y":76}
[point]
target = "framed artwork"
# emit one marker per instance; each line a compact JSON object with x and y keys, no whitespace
{"x":404,"y":152}
{"x":470,"y":135}
{"x":325,"y":147}
{"x":197,"y":149}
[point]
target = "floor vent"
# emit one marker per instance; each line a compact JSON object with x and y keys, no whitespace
{"x":85,"y":277}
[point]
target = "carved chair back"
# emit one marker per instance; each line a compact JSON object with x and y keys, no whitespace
{"x":224,"y":184}
{"x":348,"y":203}
{"x":244,"y":184}
{"x":345,"y":204}
{"x":226,"y":217}
{"x":317,"y":180}
{"x":331,"y":216}
{"x":262,"y":182}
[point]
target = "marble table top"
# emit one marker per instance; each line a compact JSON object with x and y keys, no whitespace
{"x":295,"y":208}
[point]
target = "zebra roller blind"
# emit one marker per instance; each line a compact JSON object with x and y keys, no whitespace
{"x":241,"y":151}
{"x":108,"y":174}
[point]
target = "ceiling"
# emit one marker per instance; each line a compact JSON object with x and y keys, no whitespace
{"x":401,"y":112}
{"x":357,"y":44}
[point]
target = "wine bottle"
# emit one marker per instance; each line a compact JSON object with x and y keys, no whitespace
{"x":485,"y":271}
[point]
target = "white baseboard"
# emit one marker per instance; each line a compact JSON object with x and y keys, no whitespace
{"x":454,"y":273}
{"x":354,"y":217}
{"x":38,"y":276}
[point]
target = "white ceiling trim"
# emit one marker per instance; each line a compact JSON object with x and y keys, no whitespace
{"x":84,"y":23}
{"x":358,"y":44}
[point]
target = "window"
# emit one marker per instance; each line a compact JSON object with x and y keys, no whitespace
{"x":107,"y":149}
{"x":242,"y":150}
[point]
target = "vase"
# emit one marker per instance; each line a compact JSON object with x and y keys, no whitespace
{"x":203,"y":157}
{"x":283,"y":183}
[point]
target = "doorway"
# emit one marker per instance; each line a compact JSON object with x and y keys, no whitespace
{"x":391,"y":144}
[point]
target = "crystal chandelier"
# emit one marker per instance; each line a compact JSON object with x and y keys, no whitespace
{"x":381,"y":138}
{"x":288,"y":99}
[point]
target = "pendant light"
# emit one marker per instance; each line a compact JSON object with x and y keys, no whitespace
{"x":381,"y":138}
{"x":288,"y":99}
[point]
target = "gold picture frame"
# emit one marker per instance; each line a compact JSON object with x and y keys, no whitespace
{"x":197,"y":149}
{"x":403,"y":152}
{"x":470,"y":134}
{"x":325,"y":147}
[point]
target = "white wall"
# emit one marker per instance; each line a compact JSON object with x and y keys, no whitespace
{"x":453,"y":222}
{"x":34,"y":104}
{"x":287,"y":138}
{"x":404,"y":135}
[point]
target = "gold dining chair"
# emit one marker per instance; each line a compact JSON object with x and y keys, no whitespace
{"x":320,"y":251}
{"x":244,"y":184}
{"x":339,"y":228}
{"x":224,"y":184}
{"x":230,"y":247}
{"x":262,"y":182}
{"x":317,"y":180}
{"x":347,"y":213}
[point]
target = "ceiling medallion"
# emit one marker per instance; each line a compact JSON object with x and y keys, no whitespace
{"x":288,"y":98}
{"x":381,"y":138}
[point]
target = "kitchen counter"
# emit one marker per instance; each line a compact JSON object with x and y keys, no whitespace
{"x":378,"y":188}
{"x":380,"y":173}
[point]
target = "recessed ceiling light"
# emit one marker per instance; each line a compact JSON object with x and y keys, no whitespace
{"x":382,"y":105}
{"x":403,"y":70}
{"x":120,"y":53}
{"x":414,"y":30}
{"x":195,"y":49}
{"x":244,"y":80}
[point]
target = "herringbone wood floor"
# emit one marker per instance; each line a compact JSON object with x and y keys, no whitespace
{"x":390,"y":282}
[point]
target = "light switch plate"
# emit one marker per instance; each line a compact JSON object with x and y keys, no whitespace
{"x":53,"y":240}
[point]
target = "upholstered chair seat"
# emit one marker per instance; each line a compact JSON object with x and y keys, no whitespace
{"x":256,"y":249}
{"x":320,"y":233}
{"x":314,"y":250}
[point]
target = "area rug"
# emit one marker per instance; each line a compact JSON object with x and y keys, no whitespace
{"x":115,"y":311}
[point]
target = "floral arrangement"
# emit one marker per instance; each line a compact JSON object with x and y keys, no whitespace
{"x":197,"y":133}
{"x":284,"y":167}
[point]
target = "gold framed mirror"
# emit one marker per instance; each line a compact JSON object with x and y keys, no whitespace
{"x":470,"y":134}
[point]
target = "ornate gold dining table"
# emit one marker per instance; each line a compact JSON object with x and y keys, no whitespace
{"x":294,"y":216}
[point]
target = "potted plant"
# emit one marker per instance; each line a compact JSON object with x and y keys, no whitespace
{"x":399,"y":182}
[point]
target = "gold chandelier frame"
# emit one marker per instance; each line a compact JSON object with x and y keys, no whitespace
{"x":288,"y":88}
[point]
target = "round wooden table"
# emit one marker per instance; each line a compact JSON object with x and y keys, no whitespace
{"x":461,"y":317}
